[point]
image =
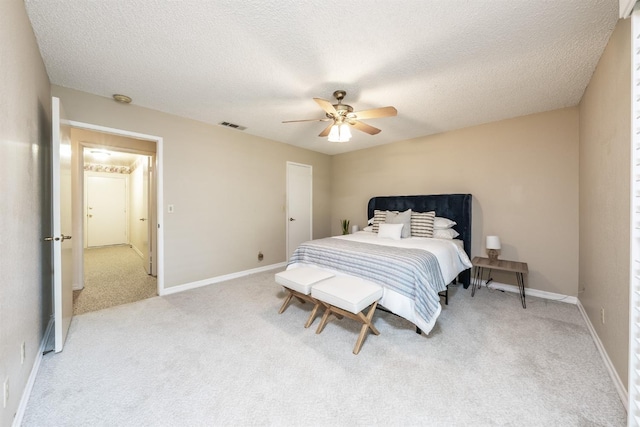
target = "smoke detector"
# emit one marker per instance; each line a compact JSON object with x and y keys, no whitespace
{"x":123,"y":99}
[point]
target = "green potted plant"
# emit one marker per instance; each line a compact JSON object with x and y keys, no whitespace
{"x":345,"y":226}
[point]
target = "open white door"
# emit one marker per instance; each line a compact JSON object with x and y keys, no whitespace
{"x":61,"y":217}
{"x":145,"y":217}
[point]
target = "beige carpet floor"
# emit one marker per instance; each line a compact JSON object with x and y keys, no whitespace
{"x":114,"y":275}
{"x":221,"y":355}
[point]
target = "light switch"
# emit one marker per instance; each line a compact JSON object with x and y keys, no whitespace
{"x":170,"y":208}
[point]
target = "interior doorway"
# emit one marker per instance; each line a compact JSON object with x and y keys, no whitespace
{"x":116,"y":199}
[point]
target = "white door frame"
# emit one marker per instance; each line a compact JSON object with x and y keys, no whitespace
{"x":158,"y":169}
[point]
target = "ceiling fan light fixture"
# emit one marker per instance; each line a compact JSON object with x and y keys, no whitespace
{"x":339,"y":133}
{"x":343,"y":117}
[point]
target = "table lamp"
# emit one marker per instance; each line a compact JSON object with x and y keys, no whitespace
{"x":493,"y":245}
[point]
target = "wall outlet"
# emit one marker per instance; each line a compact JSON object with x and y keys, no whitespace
{"x":6,"y":393}
{"x":602,"y":315}
{"x":260,"y":256}
{"x":23,"y":353}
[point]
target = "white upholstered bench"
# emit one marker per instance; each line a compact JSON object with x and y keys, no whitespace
{"x":298,"y":283}
{"x":348,"y":296}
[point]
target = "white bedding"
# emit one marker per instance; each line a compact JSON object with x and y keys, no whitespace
{"x":451,"y":255}
{"x":451,"y":258}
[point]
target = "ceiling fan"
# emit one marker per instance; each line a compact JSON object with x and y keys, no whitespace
{"x":342,"y":117}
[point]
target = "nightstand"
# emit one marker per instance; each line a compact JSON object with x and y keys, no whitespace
{"x":519,"y":268}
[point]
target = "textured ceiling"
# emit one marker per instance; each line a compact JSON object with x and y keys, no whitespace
{"x":443,"y":64}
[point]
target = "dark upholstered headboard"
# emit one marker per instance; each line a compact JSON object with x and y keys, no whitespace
{"x":456,"y":207}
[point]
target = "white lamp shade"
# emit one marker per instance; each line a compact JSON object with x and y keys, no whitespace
{"x":334,"y":134}
{"x":339,"y":133}
{"x":345,"y":132}
{"x":493,"y":242}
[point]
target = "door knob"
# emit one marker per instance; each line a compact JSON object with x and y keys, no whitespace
{"x":62,"y":238}
{"x":143,"y":219}
{"x":292,"y":219}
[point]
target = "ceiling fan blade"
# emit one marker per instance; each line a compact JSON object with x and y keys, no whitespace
{"x":326,"y":130}
{"x":363,"y":127}
{"x":307,"y":120}
{"x":326,"y":106}
{"x":376,"y":113}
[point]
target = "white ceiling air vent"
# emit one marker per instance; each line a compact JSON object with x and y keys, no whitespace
{"x":232,"y":125}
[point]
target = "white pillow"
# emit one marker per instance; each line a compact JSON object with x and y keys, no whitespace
{"x":403,"y":218}
{"x":448,"y":233}
{"x":390,"y":231}
{"x":441,"y":223}
{"x":368,"y":228}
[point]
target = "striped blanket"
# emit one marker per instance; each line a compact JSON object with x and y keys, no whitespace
{"x":414,"y":273}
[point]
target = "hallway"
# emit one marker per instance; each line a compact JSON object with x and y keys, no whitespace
{"x":114,"y":275}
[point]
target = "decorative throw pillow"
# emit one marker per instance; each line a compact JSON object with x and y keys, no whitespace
{"x":422,"y":224}
{"x":401,"y":218}
{"x":448,"y":233}
{"x":378,"y":218}
{"x":390,"y":231}
{"x":440,"y":223}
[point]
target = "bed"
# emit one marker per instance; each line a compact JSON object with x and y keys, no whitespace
{"x":412,"y":271}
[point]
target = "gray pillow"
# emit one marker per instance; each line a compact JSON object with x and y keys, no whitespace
{"x":403,"y":218}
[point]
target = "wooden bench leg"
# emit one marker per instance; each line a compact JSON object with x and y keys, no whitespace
{"x":324,"y":319}
{"x":286,"y":302}
{"x":366,"y":325}
{"x":312,"y":317}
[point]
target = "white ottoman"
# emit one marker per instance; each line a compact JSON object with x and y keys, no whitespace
{"x":298,"y":283}
{"x":348,"y":296}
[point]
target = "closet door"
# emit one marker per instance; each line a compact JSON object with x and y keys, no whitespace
{"x":106,"y":210}
{"x":299,"y":212}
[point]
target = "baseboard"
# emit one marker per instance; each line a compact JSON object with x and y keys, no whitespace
{"x":619,"y":385}
{"x":622,"y":391}
{"x":534,"y":293}
{"x":531,"y":292}
{"x":136,"y":250}
{"x":24,"y":400}
{"x":212,"y":280}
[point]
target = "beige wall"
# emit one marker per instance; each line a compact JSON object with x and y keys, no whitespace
{"x":605,"y":135}
{"x":25,"y":261}
{"x":228,"y":188}
{"x":523,"y":174}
